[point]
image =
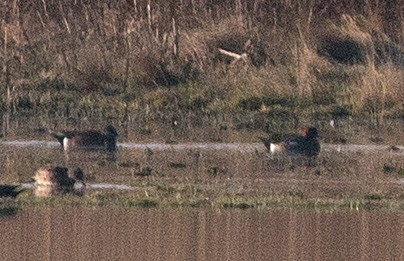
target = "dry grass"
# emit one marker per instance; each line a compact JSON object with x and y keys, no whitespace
{"x":376,"y":92}
{"x":164,"y":56}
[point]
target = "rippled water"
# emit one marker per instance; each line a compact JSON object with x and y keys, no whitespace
{"x":123,"y":234}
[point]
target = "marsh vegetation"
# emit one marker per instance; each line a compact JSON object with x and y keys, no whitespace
{"x":159,"y":72}
{"x":149,"y":62}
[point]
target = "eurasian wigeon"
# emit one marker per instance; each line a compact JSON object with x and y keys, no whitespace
{"x":56,"y":180}
{"x":89,"y":139}
{"x":306,"y":146}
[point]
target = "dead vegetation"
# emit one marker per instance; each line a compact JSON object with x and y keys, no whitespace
{"x":215,"y":53}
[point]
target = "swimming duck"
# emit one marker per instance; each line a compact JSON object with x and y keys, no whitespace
{"x":306,"y":146}
{"x":56,"y":180}
{"x":9,"y":191}
{"x":89,"y":139}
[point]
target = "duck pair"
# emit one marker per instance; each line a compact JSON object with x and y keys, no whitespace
{"x":89,"y":139}
{"x":56,"y":180}
{"x":306,"y":147}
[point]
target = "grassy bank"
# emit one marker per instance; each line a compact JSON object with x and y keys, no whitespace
{"x":112,"y":60}
{"x":194,"y":196}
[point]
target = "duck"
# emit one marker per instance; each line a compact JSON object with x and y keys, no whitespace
{"x":305,"y":147}
{"x":56,"y":180}
{"x":89,"y":139}
{"x":10,"y":191}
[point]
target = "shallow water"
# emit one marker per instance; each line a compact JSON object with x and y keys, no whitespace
{"x":244,"y":147}
{"x":342,"y":170}
{"x":136,"y":234}
{"x":90,"y":186}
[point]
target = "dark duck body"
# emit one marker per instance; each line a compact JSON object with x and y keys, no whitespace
{"x":306,"y":146}
{"x":11,"y":191}
{"x":89,"y":139}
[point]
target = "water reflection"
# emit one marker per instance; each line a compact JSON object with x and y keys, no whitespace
{"x":119,"y":234}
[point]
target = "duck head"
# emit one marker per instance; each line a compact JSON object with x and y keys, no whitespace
{"x":111,"y":138}
{"x":311,"y":133}
{"x":111,"y":131}
{"x":78,"y":174}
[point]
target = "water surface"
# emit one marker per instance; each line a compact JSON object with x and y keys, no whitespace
{"x":135,"y":234}
{"x":246,"y":147}
{"x":342,"y":171}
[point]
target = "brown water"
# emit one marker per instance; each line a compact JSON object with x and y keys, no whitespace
{"x":123,"y":234}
